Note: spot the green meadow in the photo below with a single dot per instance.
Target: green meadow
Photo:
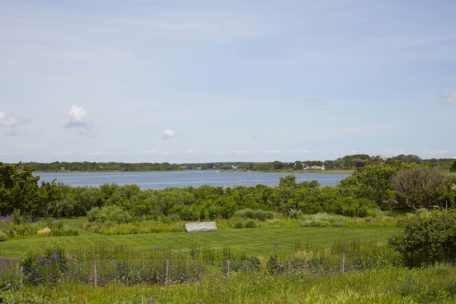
(257, 241)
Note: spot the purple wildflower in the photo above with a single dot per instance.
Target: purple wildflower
(55, 256)
(5, 218)
(43, 260)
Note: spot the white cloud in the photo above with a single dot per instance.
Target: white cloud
(273, 151)
(6, 121)
(232, 152)
(78, 117)
(436, 152)
(11, 124)
(451, 98)
(303, 151)
(98, 153)
(169, 133)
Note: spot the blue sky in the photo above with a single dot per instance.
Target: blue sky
(197, 81)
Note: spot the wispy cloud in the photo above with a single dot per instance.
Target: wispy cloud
(78, 118)
(273, 151)
(99, 153)
(439, 153)
(6, 121)
(450, 98)
(169, 133)
(11, 124)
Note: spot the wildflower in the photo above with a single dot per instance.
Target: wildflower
(43, 260)
(5, 218)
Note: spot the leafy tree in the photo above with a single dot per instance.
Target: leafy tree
(298, 165)
(287, 182)
(420, 187)
(277, 165)
(19, 190)
(406, 158)
(373, 182)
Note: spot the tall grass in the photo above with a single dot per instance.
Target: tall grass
(103, 264)
(388, 285)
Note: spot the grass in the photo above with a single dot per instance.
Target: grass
(260, 241)
(389, 285)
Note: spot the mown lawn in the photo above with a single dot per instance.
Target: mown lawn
(256, 241)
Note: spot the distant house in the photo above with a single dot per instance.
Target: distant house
(315, 168)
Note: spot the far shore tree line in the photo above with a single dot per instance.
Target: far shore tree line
(348, 163)
(378, 185)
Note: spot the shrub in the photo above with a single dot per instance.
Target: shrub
(294, 213)
(274, 266)
(429, 237)
(238, 225)
(113, 214)
(260, 215)
(3, 236)
(47, 267)
(59, 229)
(246, 264)
(250, 224)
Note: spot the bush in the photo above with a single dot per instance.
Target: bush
(420, 188)
(246, 264)
(250, 224)
(274, 266)
(238, 225)
(113, 214)
(48, 267)
(260, 215)
(3, 236)
(294, 213)
(429, 237)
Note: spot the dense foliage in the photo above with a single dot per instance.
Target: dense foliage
(421, 188)
(48, 267)
(428, 238)
(453, 167)
(377, 185)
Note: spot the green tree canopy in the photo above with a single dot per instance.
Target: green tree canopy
(18, 190)
(420, 187)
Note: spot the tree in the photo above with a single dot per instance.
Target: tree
(406, 158)
(372, 182)
(420, 187)
(19, 191)
(298, 165)
(277, 165)
(453, 167)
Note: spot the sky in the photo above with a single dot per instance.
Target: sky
(209, 80)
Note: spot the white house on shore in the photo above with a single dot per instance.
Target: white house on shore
(315, 168)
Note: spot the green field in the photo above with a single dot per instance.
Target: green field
(258, 241)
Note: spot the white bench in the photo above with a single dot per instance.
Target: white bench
(201, 226)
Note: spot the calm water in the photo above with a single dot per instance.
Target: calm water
(160, 180)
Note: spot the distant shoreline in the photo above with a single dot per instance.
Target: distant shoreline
(206, 170)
